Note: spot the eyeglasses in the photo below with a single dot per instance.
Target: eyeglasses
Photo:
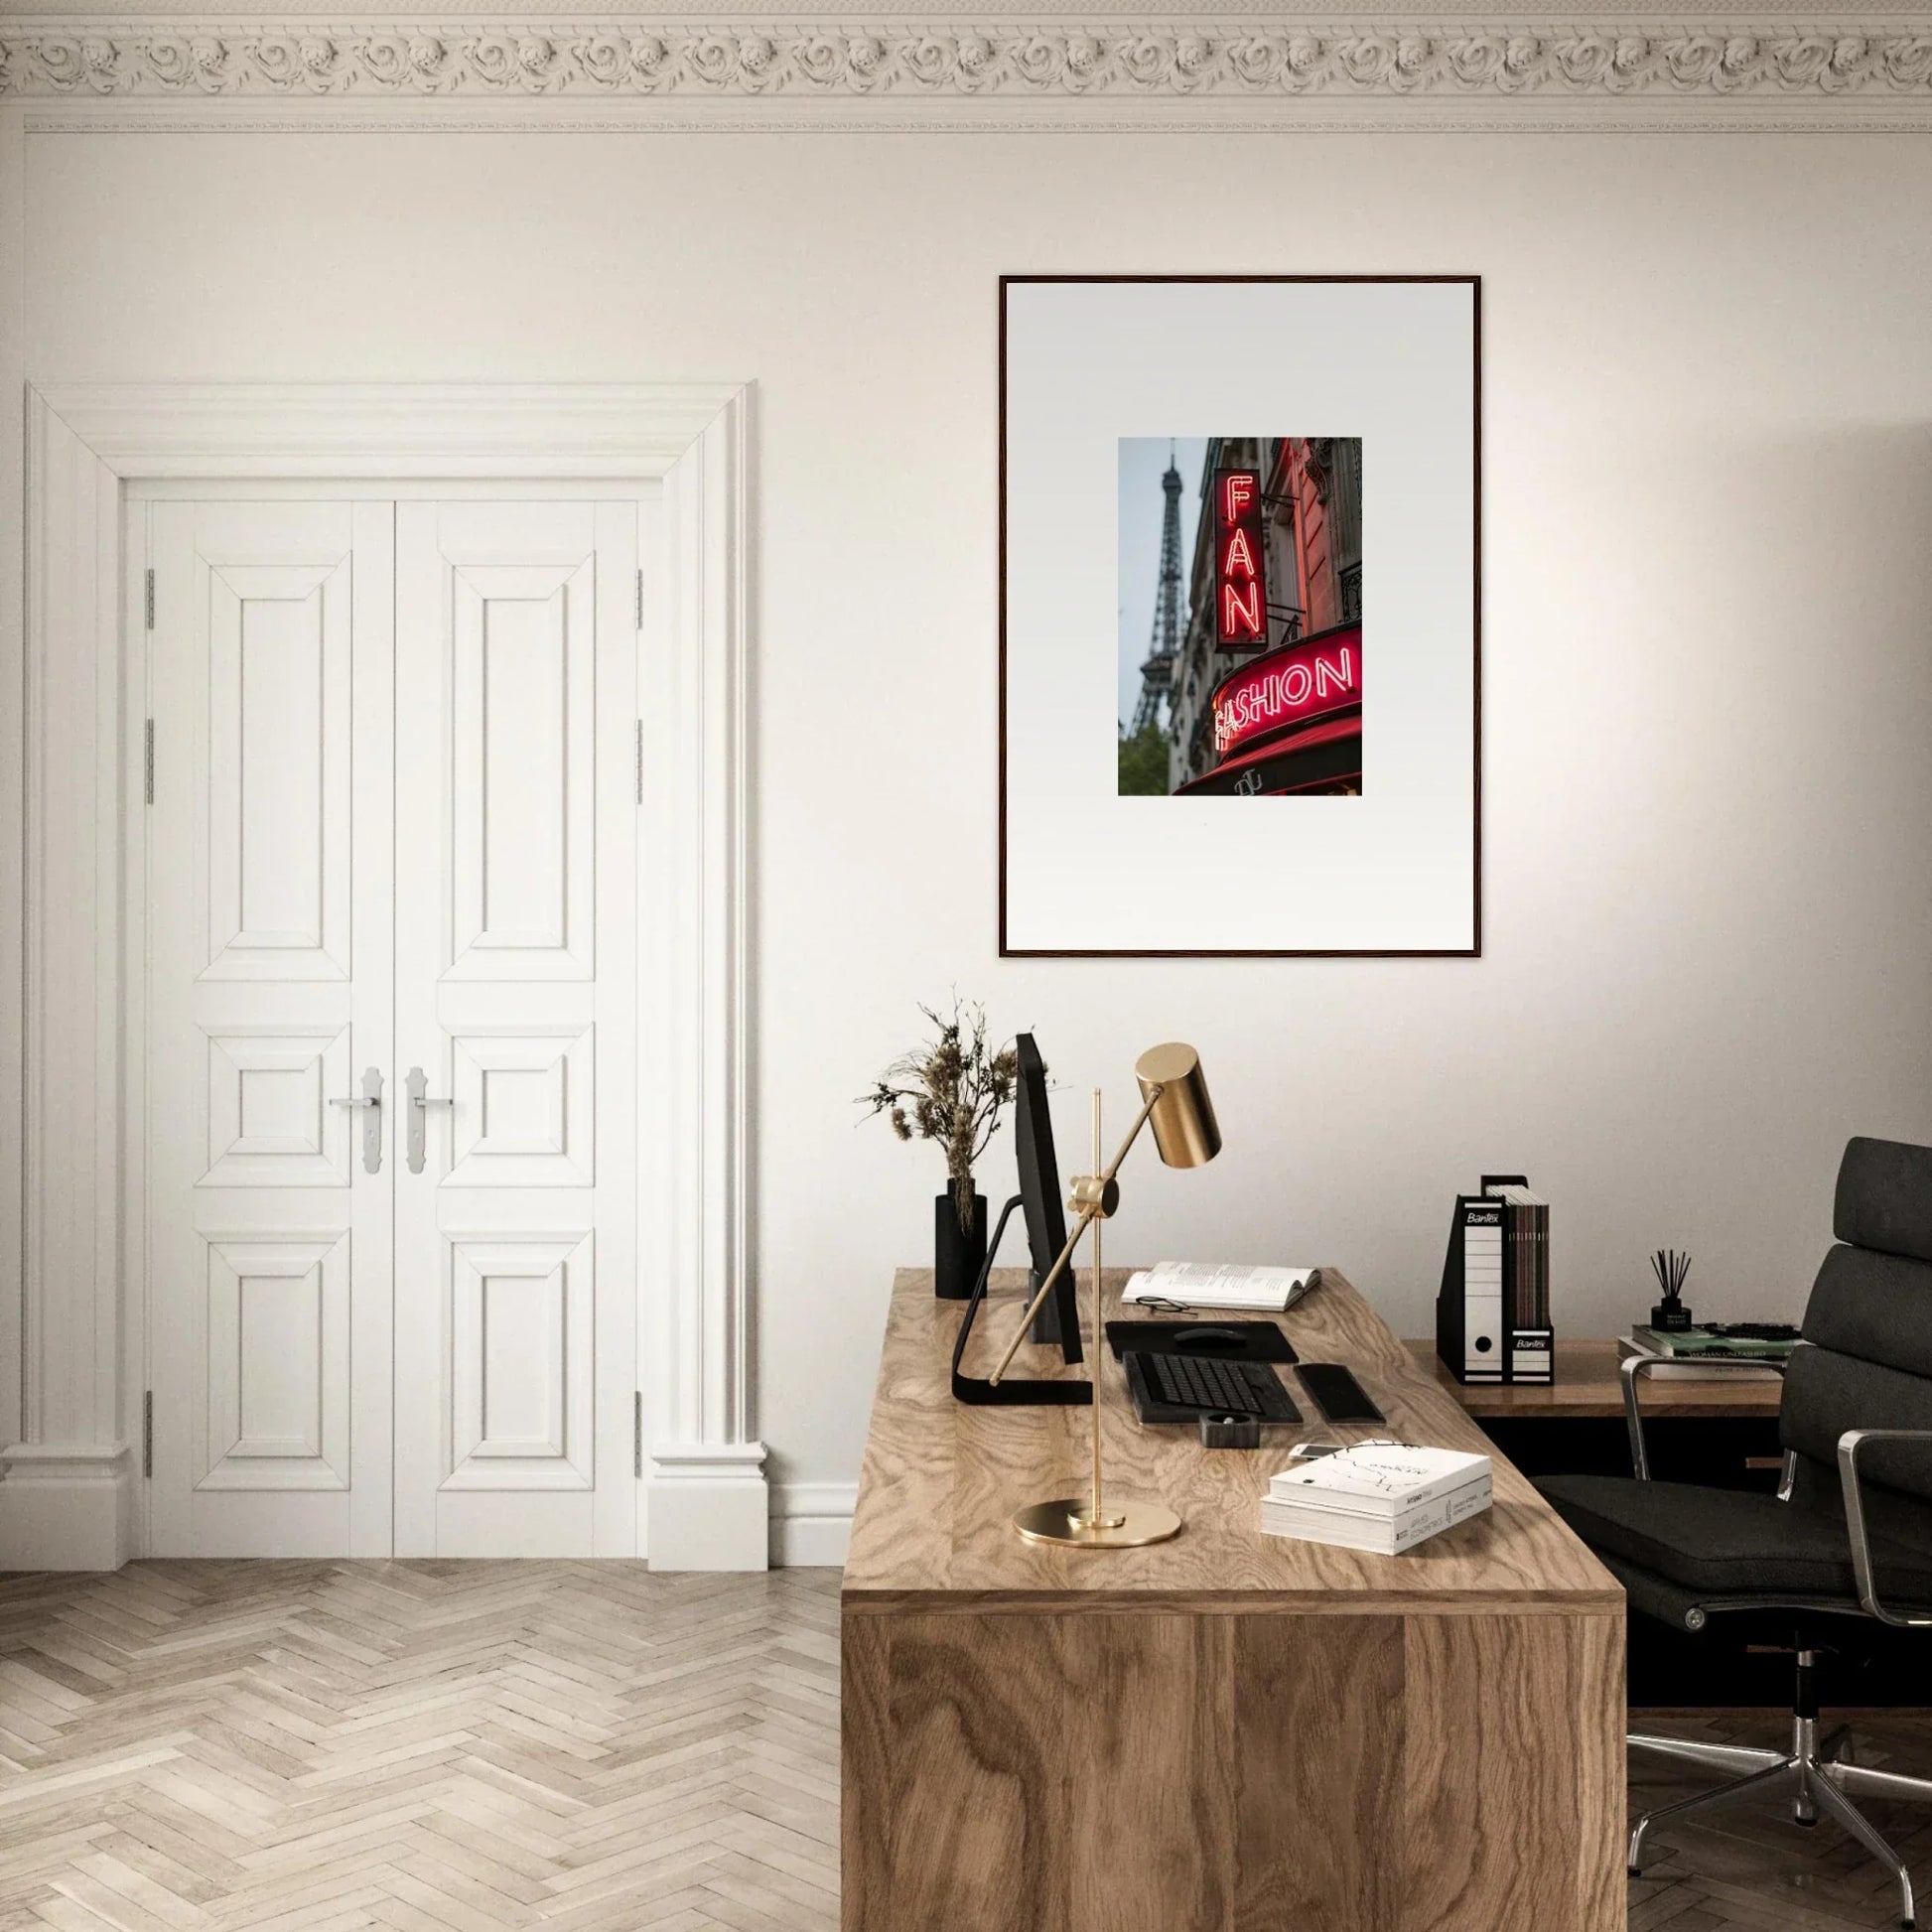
(1310, 1451)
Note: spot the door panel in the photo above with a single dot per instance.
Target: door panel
(514, 972)
(525, 1103)
(278, 1363)
(279, 761)
(520, 1316)
(269, 992)
(520, 724)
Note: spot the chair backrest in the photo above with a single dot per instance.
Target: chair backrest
(1868, 1324)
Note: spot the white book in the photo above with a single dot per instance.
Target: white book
(1382, 1535)
(1378, 1478)
(1219, 1285)
(1306, 1505)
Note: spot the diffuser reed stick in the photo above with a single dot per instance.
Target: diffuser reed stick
(1670, 1266)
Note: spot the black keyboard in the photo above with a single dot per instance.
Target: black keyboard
(1208, 1387)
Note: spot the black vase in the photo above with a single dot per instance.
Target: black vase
(957, 1255)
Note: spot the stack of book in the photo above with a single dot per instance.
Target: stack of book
(1384, 1497)
(1687, 1353)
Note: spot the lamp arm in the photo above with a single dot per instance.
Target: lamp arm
(1088, 1216)
(1133, 1134)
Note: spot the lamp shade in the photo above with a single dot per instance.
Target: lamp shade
(1183, 1116)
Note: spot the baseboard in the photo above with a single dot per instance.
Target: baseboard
(811, 1523)
(67, 1507)
(709, 1507)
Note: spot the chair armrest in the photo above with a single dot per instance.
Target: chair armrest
(1634, 1367)
(1849, 1445)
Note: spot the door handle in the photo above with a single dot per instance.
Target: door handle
(420, 1102)
(371, 1099)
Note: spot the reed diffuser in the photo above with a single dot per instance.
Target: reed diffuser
(1670, 1267)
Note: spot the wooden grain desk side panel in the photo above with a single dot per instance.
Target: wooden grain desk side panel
(1514, 1780)
(942, 1479)
(979, 1785)
(1150, 1782)
(1320, 1722)
(1166, 1773)
(865, 1773)
(1001, 1760)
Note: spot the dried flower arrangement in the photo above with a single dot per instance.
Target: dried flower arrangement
(951, 1090)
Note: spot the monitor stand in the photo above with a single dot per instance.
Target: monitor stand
(1012, 1391)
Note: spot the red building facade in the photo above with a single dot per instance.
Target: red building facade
(1274, 707)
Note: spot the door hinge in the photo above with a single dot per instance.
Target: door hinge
(641, 760)
(640, 600)
(637, 1433)
(147, 1433)
(148, 761)
(150, 598)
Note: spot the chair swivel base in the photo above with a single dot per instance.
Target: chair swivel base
(1818, 1773)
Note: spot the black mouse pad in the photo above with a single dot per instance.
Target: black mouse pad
(1222, 1341)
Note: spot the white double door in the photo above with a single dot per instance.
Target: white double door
(390, 859)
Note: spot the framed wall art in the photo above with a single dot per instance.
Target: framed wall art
(1240, 543)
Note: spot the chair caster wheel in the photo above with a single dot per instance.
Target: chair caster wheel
(1633, 1872)
(1807, 1823)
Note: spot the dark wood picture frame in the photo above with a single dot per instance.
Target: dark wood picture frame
(1474, 949)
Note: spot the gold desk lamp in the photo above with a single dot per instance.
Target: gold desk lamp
(1174, 1102)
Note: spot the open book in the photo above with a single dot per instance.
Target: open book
(1211, 1285)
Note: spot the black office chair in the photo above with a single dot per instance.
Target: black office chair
(1849, 1536)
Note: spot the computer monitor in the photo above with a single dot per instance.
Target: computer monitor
(1040, 1195)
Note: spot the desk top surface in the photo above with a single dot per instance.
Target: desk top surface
(1587, 1385)
(942, 1479)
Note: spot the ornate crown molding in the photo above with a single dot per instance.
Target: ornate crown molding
(1888, 65)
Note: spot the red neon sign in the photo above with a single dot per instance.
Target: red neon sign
(1287, 687)
(1240, 570)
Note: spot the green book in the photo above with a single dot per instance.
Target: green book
(1701, 1341)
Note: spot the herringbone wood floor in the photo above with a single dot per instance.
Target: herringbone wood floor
(316, 1747)
(457, 1748)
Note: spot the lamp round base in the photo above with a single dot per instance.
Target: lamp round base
(1065, 1521)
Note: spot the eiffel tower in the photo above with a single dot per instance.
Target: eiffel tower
(1157, 674)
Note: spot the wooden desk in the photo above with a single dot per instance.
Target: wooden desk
(1587, 1385)
(1227, 1733)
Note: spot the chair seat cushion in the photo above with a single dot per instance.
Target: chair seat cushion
(1728, 1542)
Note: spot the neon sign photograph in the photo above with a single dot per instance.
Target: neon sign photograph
(1229, 577)
(1240, 616)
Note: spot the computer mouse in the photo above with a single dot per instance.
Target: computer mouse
(1208, 1337)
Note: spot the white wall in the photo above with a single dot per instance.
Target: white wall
(1708, 769)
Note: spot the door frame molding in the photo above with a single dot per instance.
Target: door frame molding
(71, 1451)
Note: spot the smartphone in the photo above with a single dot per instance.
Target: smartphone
(1337, 1394)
